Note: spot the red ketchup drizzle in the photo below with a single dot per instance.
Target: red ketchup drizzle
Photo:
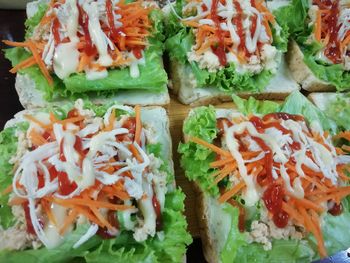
(129, 124)
(284, 116)
(254, 20)
(158, 212)
(55, 30)
(30, 228)
(218, 50)
(332, 50)
(241, 217)
(84, 22)
(272, 198)
(237, 20)
(268, 157)
(220, 125)
(110, 17)
(336, 210)
(137, 52)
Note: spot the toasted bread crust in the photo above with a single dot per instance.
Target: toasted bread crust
(184, 85)
(301, 72)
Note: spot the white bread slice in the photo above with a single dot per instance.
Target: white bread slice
(30, 97)
(301, 72)
(184, 85)
(322, 99)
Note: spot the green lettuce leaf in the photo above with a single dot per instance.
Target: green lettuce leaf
(8, 148)
(63, 253)
(166, 247)
(339, 111)
(33, 21)
(295, 103)
(195, 158)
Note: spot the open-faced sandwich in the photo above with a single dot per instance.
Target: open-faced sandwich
(319, 55)
(273, 187)
(90, 184)
(217, 48)
(104, 50)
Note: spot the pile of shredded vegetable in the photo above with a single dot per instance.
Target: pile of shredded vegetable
(237, 27)
(75, 36)
(279, 159)
(331, 28)
(82, 170)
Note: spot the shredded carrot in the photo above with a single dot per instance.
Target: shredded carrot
(227, 195)
(138, 127)
(88, 215)
(318, 25)
(7, 190)
(15, 44)
(40, 62)
(292, 213)
(36, 138)
(100, 217)
(33, 119)
(224, 172)
(210, 146)
(111, 121)
(221, 162)
(306, 203)
(16, 201)
(341, 193)
(136, 153)
(344, 135)
(88, 202)
(24, 64)
(68, 221)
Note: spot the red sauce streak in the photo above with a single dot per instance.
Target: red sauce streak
(204, 8)
(84, 22)
(129, 124)
(65, 186)
(137, 52)
(218, 50)
(220, 125)
(336, 210)
(268, 157)
(241, 217)
(110, 18)
(273, 197)
(254, 20)
(295, 146)
(55, 30)
(158, 212)
(284, 116)
(237, 20)
(332, 50)
(30, 228)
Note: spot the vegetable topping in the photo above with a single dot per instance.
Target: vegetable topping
(331, 29)
(91, 36)
(87, 169)
(235, 31)
(292, 167)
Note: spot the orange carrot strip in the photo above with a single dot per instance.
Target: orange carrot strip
(318, 25)
(15, 44)
(111, 121)
(7, 190)
(136, 153)
(138, 124)
(321, 248)
(16, 201)
(344, 135)
(292, 213)
(221, 162)
(339, 194)
(306, 203)
(101, 218)
(33, 119)
(68, 221)
(88, 215)
(41, 64)
(227, 195)
(210, 146)
(24, 64)
(88, 202)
